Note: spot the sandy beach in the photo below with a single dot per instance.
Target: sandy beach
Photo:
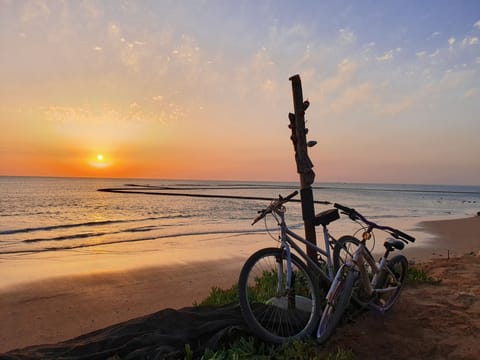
(61, 308)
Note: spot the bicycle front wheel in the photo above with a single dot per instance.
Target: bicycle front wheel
(336, 304)
(276, 308)
(344, 249)
(390, 283)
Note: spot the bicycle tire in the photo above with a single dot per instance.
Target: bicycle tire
(398, 266)
(271, 312)
(336, 306)
(344, 247)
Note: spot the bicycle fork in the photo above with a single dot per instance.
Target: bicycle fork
(287, 289)
(341, 273)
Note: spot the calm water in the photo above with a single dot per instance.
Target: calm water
(52, 218)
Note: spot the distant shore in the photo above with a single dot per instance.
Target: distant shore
(61, 308)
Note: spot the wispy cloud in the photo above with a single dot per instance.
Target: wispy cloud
(34, 9)
(346, 36)
(472, 92)
(386, 56)
(421, 54)
(477, 24)
(111, 115)
(394, 108)
(451, 41)
(352, 96)
(345, 69)
(469, 40)
(92, 9)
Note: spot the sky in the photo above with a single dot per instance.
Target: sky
(200, 89)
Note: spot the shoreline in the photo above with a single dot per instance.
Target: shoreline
(60, 308)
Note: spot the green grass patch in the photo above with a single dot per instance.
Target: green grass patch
(220, 297)
(420, 276)
(253, 348)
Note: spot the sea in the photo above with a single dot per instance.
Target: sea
(65, 226)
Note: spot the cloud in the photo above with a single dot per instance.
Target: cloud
(477, 24)
(269, 85)
(114, 30)
(91, 9)
(469, 41)
(33, 10)
(187, 51)
(421, 54)
(386, 57)
(451, 41)
(97, 48)
(391, 109)
(346, 36)
(352, 96)
(345, 69)
(472, 92)
(109, 115)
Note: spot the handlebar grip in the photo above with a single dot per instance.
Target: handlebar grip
(343, 208)
(288, 197)
(352, 213)
(259, 217)
(405, 236)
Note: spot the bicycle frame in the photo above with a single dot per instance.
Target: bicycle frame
(288, 243)
(357, 264)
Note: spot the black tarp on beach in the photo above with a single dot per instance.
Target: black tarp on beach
(162, 335)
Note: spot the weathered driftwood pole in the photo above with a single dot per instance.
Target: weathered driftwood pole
(304, 164)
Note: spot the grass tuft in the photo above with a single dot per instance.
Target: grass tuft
(220, 297)
(420, 276)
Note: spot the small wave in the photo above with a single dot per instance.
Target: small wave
(69, 237)
(91, 234)
(141, 229)
(113, 242)
(88, 223)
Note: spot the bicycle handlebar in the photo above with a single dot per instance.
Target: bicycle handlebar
(275, 204)
(355, 215)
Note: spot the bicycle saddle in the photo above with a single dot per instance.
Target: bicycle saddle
(326, 217)
(390, 244)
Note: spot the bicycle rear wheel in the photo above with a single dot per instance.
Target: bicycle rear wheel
(272, 311)
(336, 304)
(390, 283)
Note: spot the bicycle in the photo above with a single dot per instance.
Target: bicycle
(281, 296)
(378, 285)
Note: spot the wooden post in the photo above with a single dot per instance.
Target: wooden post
(304, 164)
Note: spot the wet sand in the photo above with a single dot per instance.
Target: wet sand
(61, 308)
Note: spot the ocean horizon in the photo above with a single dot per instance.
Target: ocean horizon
(57, 226)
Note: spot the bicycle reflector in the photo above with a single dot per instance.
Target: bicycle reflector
(367, 235)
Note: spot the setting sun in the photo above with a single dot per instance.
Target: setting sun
(100, 161)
